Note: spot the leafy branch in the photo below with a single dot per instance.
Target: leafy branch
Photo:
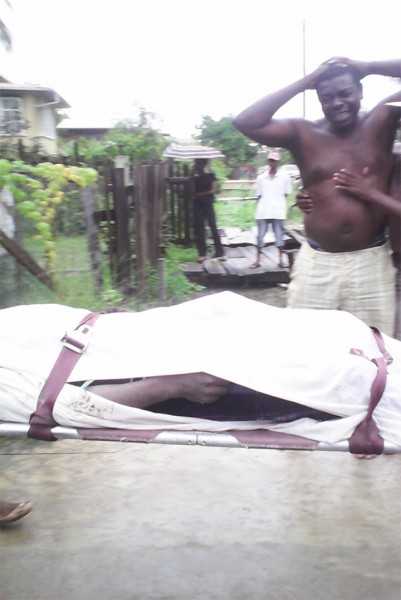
(37, 190)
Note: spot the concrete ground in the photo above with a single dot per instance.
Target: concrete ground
(119, 521)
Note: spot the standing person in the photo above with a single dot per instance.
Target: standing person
(204, 188)
(359, 187)
(272, 189)
(345, 263)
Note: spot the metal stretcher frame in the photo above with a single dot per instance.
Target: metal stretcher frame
(365, 439)
(257, 439)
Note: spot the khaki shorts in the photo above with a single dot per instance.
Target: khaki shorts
(361, 283)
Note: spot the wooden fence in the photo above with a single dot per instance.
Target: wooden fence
(150, 205)
(142, 207)
(135, 219)
(146, 206)
(179, 206)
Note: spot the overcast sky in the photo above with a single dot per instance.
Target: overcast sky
(184, 58)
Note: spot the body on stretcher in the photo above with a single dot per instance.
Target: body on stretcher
(333, 369)
(239, 404)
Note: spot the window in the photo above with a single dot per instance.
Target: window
(47, 122)
(12, 121)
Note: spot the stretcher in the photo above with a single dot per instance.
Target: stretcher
(363, 437)
(253, 439)
(236, 403)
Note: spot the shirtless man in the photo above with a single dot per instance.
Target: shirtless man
(359, 186)
(337, 268)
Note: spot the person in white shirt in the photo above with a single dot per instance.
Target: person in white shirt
(272, 189)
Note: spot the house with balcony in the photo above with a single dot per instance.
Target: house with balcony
(28, 116)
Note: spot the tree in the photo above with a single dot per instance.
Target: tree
(38, 190)
(225, 137)
(239, 151)
(137, 138)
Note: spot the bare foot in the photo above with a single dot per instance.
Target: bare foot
(222, 258)
(202, 259)
(254, 265)
(13, 511)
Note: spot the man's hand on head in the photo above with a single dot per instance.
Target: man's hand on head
(361, 67)
(340, 61)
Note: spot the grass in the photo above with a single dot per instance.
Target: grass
(73, 278)
(74, 284)
(241, 213)
(235, 213)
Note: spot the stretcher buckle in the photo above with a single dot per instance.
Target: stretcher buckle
(78, 339)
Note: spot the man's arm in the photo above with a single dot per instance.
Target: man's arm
(196, 387)
(395, 222)
(387, 68)
(359, 186)
(257, 123)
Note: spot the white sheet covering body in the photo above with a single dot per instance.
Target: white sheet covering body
(295, 354)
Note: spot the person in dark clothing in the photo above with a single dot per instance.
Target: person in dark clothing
(204, 187)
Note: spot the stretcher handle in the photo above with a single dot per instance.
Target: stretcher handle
(74, 345)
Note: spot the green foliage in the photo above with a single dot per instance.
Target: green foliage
(38, 190)
(225, 137)
(286, 157)
(238, 149)
(236, 213)
(220, 169)
(112, 298)
(135, 138)
(33, 153)
(177, 287)
(241, 213)
(73, 283)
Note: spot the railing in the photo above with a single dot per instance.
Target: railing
(238, 184)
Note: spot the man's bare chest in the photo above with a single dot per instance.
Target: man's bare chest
(325, 154)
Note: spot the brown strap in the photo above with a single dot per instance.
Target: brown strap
(366, 438)
(74, 344)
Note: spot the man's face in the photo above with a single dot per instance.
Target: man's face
(340, 98)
